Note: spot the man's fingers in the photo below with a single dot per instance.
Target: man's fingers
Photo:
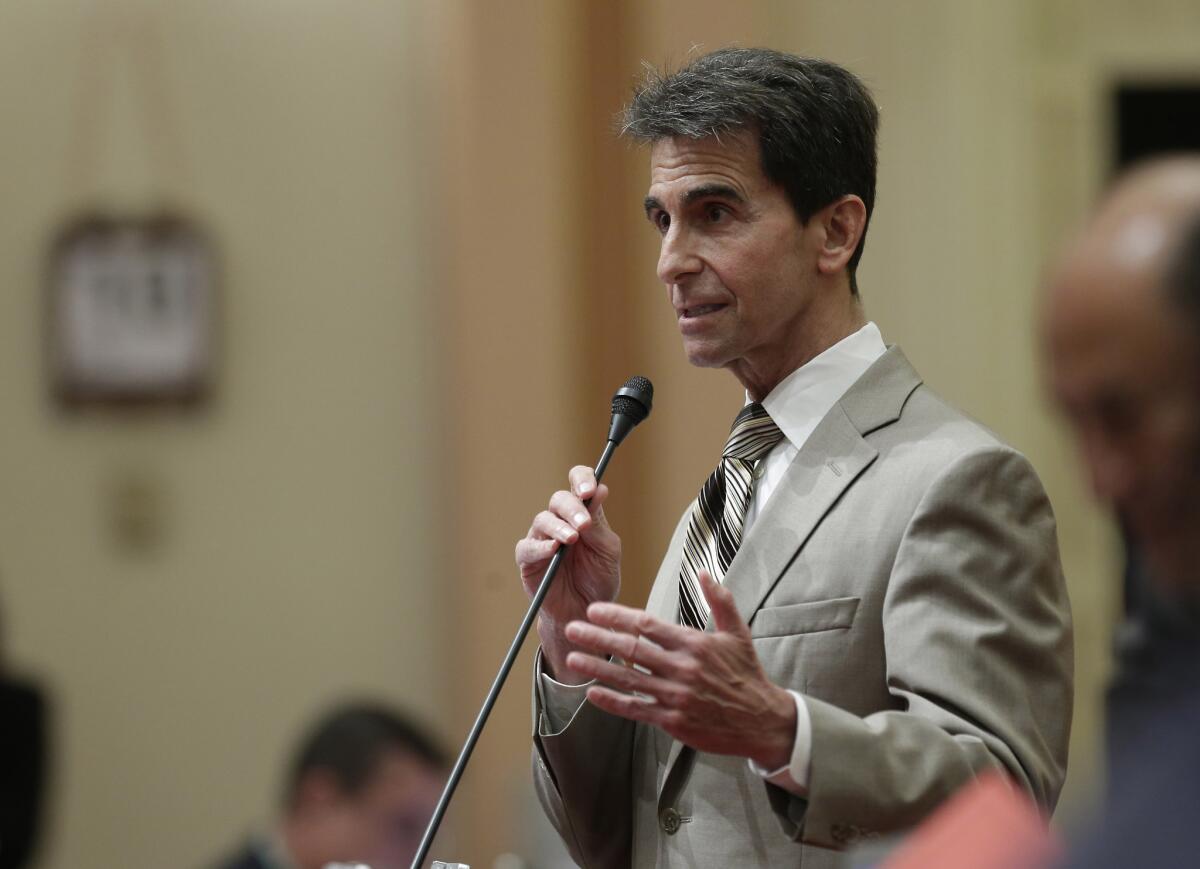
(549, 524)
(566, 517)
(569, 508)
(627, 647)
(639, 623)
(584, 486)
(634, 707)
(535, 551)
(583, 481)
(721, 602)
(626, 678)
(596, 505)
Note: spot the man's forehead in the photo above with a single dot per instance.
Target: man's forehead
(1116, 260)
(1139, 221)
(731, 157)
(1103, 329)
(1090, 295)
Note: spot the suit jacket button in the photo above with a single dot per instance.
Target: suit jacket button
(668, 819)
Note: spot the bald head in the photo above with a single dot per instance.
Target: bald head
(1123, 358)
(1128, 245)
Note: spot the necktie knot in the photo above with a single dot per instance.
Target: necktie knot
(753, 435)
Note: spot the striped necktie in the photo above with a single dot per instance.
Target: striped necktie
(715, 529)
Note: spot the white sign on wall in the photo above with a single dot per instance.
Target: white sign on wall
(132, 311)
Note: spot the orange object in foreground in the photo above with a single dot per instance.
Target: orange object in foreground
(987, 825)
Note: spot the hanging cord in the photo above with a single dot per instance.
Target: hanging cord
(113, 34)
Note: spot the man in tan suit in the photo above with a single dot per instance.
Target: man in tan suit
(876, 576)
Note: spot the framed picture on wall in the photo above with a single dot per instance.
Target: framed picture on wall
(132, 312)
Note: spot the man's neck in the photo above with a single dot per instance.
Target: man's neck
(1178, 569)
(820, 333)
(295, 847)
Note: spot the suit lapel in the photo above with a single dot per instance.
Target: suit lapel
(831, 460)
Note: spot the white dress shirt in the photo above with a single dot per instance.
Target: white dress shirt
(797, 405)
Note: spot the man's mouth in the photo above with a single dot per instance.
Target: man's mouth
(699, 311)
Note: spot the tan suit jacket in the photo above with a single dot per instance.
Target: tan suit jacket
(905, 578)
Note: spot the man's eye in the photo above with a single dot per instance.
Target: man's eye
(662, 221)
(716, 213)
(1118, 416)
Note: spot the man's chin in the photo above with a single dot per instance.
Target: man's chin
(705, 355)
(1171, 550)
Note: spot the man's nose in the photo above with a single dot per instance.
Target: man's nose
(677, 256)
(1111, 469)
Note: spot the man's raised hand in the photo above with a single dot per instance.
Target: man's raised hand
(708, 690)
(590, 570)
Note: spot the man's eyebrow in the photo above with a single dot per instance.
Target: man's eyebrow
(704, 191)
(712, 191)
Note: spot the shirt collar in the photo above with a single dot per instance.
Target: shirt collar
(802, 399)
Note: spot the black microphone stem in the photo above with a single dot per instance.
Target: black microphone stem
(494, 692)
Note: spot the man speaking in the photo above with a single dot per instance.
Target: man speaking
(864, 607)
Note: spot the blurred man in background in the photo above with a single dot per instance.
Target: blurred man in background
(1122, 339)
(361, 789)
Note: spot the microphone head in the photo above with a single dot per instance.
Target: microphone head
(634, 399)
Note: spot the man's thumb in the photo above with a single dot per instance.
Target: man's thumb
(721, 602)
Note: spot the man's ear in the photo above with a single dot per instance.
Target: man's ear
(317, 790)
(844, 221)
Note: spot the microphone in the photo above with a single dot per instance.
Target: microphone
(630, 405)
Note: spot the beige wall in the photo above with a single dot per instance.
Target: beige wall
(297, 558)
(501, 77)
(421, 200)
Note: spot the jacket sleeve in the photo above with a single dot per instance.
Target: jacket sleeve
(583, 778)
(977, 638)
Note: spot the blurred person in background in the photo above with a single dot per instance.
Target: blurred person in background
(895, 620)
(1121, 337)
(23, 763)
(361, 789)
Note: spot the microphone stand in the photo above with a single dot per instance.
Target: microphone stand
(509, 659)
